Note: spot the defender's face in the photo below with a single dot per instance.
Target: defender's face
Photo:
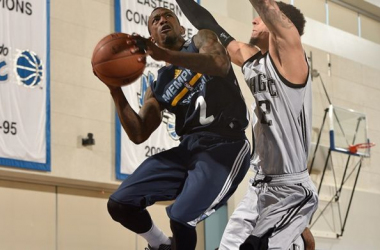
(164, 26)
(260, 32)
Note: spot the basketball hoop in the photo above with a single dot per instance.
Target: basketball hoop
(354, 148)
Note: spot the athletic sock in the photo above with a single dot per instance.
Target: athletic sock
(155, 237)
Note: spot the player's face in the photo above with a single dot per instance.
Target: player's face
(260, 32)
(164, 27)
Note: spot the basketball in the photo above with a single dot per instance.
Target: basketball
(113, 63)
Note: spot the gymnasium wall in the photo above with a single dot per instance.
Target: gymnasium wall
(66, 208)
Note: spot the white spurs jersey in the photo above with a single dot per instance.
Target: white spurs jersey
(283, 112)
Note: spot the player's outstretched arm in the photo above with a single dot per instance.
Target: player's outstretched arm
(285, 45)
(240, 52)
(137, 126)
(202, 19)
(212, 58)
(276, 21)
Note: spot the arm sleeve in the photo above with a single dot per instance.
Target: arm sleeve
(202, 19)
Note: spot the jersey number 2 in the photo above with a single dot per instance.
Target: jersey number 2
(265, 111)
(201, 102)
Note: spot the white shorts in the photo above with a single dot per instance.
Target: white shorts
(281, 205)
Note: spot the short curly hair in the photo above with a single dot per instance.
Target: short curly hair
(294, 15)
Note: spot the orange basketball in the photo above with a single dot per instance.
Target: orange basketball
(113, 63)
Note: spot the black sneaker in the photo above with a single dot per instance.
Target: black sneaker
(161, 247)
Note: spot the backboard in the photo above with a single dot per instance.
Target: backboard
(347, 127)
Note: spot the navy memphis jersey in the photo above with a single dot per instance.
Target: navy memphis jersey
(201, 102)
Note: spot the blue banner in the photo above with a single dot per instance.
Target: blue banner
(24, 84)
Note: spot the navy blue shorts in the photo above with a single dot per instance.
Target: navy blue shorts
(200, 175)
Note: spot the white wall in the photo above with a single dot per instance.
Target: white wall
(361, 228)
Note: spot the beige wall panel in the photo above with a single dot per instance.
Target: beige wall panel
(219, 8)
(372, 98)
(348, 91)
(241, 11)
(72, 160)
(361, 231)
(85, 13)
(67, 37)
(346, 69)
(370, 29)
(355, 96)
(84, 222)
(373, 118)
(314, 9)
(370, 180)
(83, 164)
(69, 131)
(74, 39)
(27, 216)
(343, 18)
(371, 77)
(81, 102)
(75, 70)
(110, 2)
(371, 168)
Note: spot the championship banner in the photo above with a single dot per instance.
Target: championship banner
(131, 16)
(24, 84)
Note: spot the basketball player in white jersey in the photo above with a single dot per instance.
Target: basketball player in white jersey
(281, 197)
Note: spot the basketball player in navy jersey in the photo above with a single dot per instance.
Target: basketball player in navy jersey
(281, 198)
(199, 86)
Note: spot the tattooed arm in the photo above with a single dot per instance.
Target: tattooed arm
(285, 45)
(212, 58)
(276, 21)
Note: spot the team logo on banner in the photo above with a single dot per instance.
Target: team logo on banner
(29, 69)
(132, 17)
